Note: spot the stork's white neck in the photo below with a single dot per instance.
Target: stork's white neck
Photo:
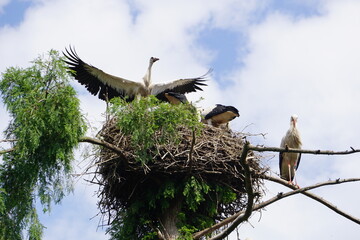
(293, 136)
(147, 77)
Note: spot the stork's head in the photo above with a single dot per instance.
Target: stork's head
(234, 110)
(293, 120)
(153, 59)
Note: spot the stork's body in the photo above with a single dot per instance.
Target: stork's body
(289, 162)
(107, 86)
(175, 98)
(220, 115)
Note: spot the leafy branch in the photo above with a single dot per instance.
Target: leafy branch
(45, 127)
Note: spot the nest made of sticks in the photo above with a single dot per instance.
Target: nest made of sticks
(213, 155)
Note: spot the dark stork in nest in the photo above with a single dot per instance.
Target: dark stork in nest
(220, 115)
(173, 98)
(289, 162)
(107, 86)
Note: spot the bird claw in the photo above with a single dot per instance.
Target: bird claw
(294, 184)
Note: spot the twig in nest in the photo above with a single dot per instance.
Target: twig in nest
(191, 149)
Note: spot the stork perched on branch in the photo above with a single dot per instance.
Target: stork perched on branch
(107, 86)
(289, 162)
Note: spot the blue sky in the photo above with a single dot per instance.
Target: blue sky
(270, 59)
(13, 12)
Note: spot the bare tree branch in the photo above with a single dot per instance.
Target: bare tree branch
(103, 144)
(8, 140)
(83, 139)
(190, 159)
(320, 152)
(9, 149)
(6, 150)
(284, 195)
(317, 198)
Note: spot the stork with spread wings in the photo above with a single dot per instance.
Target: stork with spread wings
(107, 86)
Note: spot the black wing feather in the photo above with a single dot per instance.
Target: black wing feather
(216, 111)
(280, 161)
(182, 86)
(192, 86)
(298, 162)
(80, 72)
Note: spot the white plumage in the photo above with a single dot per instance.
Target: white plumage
(289, 162)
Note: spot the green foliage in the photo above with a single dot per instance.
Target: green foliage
(199, 203)
(2, 212)
(36, 228)
(137, 221)
(186, 233)
(47, 124)
(194, 192)
(149, 121)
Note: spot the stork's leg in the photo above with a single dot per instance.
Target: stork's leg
(296, 185)
(290, 181)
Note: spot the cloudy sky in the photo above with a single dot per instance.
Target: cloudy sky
(271, 58)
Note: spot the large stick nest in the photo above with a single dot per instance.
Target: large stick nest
(213, 155)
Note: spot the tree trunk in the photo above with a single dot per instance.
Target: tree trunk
(169, 219)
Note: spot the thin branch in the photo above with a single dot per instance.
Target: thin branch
(83, 139)
(8, 140)
(7, 150)
(320, 152)
(249, 206)
(103, 144)
(317, 198)
(190, 159)
(284, 195)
